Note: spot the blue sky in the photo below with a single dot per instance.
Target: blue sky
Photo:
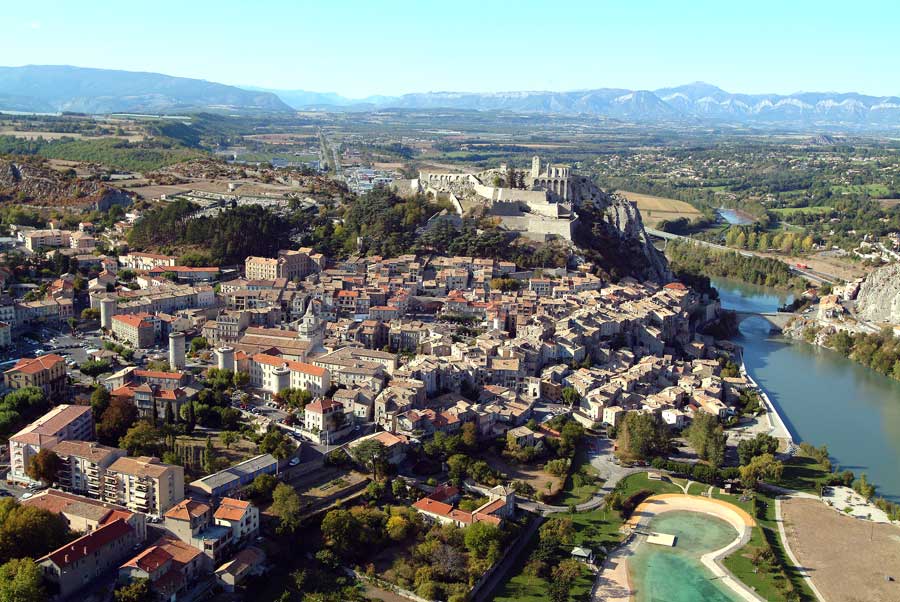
(363, 47)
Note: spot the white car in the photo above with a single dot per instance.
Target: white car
(294, 461)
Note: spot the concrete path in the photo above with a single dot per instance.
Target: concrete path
(787, 548)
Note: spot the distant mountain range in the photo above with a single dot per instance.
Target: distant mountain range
(695, 102)
(43, 88)
(53, 88)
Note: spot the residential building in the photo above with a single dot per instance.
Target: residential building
(249, 561)
(146, 261)
(83, 514)
(274, 374)
(62, 423)
(139, 330)
(291, 265)
(241, 517)
(192, 522)
(170, 565)
(76, 564)
(46, 239)
(144, 484)
(47, 372)
(83, 465)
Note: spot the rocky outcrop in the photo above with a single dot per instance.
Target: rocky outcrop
(32, 182)
(611, 233)
(878, 299)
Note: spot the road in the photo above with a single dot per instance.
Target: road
(812, 275)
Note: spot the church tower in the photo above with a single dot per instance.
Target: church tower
(311, 328)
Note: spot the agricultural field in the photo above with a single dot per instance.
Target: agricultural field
(655, 209)
(785, 211)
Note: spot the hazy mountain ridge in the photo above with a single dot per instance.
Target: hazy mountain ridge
(43, 88)
(691, 102)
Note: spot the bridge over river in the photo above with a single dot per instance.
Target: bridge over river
(776, 319)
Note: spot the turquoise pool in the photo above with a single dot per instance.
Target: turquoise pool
(662, 574)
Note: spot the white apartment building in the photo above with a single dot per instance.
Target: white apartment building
(62, 423)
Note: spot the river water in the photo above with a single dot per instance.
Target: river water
(822, 397)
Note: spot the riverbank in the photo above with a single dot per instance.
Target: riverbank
(778, 428)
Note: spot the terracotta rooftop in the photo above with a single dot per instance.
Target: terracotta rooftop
(36, 364)
(186, 509)
(231, 509)
(89, 544)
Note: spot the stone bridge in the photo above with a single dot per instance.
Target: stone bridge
(776, 319)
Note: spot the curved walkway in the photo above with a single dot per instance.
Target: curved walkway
(613, 584)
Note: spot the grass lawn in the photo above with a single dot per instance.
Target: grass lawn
(874, 190)
(634, 483)
(578, 494)
(766, 584)
(526, 588)
(803, 474)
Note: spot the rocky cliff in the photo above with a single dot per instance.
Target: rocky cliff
(878, 299)
(611, 233)
(32, 182)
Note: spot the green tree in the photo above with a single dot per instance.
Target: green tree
(44, 466)
(707, 438)
(748, 449)
(99, 401)
(570, 396)
(370, 454)
(761, 468)
(229, 438)
(209, 456)
(341, 531)
(483, 540)
(136, 591)
(143, 439)
(642, 436)
(398, 528)
(469, 435)
(28, 531)
(169, 413)
(21, 580)
(199, 344)
(286, 506)
(94, 368)
(116, 421)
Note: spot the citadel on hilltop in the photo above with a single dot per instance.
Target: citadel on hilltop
(539, 204)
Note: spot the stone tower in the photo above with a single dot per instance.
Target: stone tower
(311, 328)
(535, 166)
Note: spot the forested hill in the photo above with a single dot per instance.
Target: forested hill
(381, 223)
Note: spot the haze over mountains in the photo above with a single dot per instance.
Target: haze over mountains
(76, 89)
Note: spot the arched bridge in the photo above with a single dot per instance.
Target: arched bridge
(776, 319)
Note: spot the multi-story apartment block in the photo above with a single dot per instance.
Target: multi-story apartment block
(47, 239)
(47, 372)
(292, 265)
(140, 330)
(144, 484)
(83, 465)
(43, 310)
(62, 423)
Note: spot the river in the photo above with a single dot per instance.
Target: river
(822, 397)
(734, 217)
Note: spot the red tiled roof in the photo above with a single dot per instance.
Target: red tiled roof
(36, 364)
(90, 543)
(150, 559)
(274, 360)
